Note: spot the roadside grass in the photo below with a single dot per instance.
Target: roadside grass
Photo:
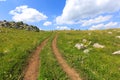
(98, 64)
(49, 66)
(15, 48)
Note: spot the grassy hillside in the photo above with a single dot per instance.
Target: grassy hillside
(92, 63)
(15, 48)
(97, 63)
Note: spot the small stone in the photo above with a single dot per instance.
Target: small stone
(118, 37)
(86, 51)
(109, 32)
(97, 45)
(116, 52)
(79, 46)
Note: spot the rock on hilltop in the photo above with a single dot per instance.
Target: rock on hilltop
(18, 25)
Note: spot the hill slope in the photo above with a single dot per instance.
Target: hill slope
(15, 48)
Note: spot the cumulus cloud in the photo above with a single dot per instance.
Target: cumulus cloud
(26, 14)
(2, 0)
(63, 28)
(76, 10)
(99, 19)
(104, 26)
(47, 23)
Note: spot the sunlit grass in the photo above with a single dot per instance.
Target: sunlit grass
(98, 64)
(15, 48)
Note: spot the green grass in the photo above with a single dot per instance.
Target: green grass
(15, 48)
(50, 69)
(98, 64)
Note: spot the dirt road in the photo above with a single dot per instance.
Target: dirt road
(69, 71)
(33, 65)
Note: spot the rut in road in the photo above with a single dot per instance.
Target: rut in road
(69, 71)
(32, 70)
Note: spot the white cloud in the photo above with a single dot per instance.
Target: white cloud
(63, 28)
(2, 0)
(96, 20)
(104, 26)
(47, 23)
(26, 14)
(76, 10)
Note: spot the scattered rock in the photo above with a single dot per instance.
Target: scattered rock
(85, 44)
(116, 52)
(86, 51)
(118, 37)
(97, 45)
(109, 32)
(80, 46)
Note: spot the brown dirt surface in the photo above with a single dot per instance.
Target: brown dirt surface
(69, 71)
(32, 69)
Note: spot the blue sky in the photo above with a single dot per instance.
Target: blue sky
(63, 14)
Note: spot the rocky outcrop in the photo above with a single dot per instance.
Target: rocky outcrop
(18, 25)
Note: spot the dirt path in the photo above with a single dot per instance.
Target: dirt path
(70, 71)
(33, 65)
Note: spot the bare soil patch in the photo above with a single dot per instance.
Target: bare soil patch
(32, 70)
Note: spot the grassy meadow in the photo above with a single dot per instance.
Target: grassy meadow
(15, 48)
(97, 64)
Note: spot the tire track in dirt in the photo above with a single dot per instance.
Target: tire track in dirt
(32, 70)
(69, 71)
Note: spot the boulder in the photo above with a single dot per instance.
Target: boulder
(79, 46)
(97, 45)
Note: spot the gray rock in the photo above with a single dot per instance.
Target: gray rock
(79, 46)
(116, 52)
(86, 51)
(97, 45)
